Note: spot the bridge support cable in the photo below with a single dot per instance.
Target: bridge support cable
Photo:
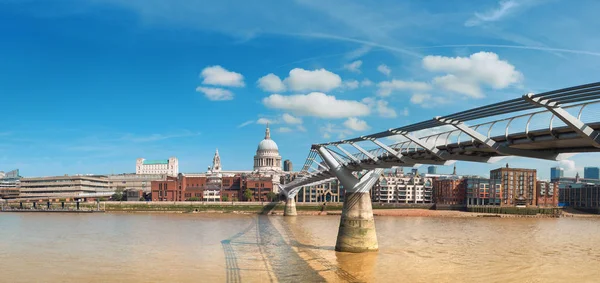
(357, 226)
(573, 122)
(348, 154)
(366, 153)
(406, 161)
(497, 147)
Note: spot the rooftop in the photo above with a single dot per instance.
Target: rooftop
(155, 162)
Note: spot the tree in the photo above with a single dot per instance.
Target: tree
(271, 196)
(248, 194)
(225, 198)
(102, 199)
(118, 196)
(193, 199)
(142, 199)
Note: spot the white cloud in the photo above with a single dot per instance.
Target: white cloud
(217, 75)
(264, 121)
(330, 129)
(289, 119)
(271, 83)
(317, 80)
(284, 130)
(356, 124)
(353, 84)
(366, 82)
(387, 87)
(404, 112)
(384, 69)
(467, 74)
(506, 7)
(568, 166)
(354, 66)
(381, 107)
(215, 94)
(301, 128)
(245, 124)
(427, 100)
(317, 104)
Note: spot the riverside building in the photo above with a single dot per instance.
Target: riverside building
(64, 186)
(168, 167)
(396, 187)
(517, 187)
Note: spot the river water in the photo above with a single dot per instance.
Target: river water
(112, 247)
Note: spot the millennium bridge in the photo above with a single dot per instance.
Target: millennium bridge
(552, 126)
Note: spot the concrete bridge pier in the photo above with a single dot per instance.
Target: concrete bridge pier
(290, 207)
(357, 233)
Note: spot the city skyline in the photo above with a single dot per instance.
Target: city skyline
(119, 80)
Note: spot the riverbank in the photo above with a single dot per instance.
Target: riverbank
(277, 208)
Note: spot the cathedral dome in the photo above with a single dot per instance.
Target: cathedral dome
(267, 158)
(267, 145)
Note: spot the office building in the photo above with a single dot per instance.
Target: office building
(517, 186)
(326, 191)
(591, 173)
(478, 191)
(287, 166)
(547, 194)
(556, 173)
(451, 191)
(9, 184)
(64, 186)
(168, 167)
(396, 187)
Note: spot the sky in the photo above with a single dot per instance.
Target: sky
(88, 86)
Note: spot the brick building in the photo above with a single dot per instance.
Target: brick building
(449, 191)
(478, 191)
(547, 194)
(166, 190)
(513, 187)
(259, 186)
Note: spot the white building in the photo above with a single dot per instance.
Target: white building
(267, 161)
(400, 188)
(166, 166)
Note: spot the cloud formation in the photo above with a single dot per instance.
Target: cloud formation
(317, 104)
(271, 83)
(217, 75)
(215, 94)
(387, 87)
(354, 66)
(465, 75)
(505, 8)
(317, 80)
(289, 119)
(356, 124)
(384, 69)
(381, 107)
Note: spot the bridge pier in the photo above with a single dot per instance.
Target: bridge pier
(290, 207)
(357, 233)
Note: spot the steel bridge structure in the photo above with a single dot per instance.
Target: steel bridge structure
(552, 126)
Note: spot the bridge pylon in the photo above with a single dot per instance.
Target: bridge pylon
(290, 207)
(357, 233)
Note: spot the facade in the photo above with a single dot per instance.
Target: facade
(591, 173)
(165, 190)
(259, 186)
(324, 192)
(432, 170)
(399, 188)
(547, 194)
(449, 191)
(168, 167)
(63, 186)
(478, 191)
(287, 166)
(9, 184)
(517, 186)
(7, 192)
(556, 173)
(133, 182)
(581, 196)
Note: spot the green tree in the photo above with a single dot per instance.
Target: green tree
(248, 194)
(225, 198)
(142, 199)
(193, 199)
(102, 199)
(118, 196)
(271, 196)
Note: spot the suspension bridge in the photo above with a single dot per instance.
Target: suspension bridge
(553, 126)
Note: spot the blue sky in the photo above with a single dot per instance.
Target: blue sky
(88, 86)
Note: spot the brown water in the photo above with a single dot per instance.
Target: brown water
(242, 248)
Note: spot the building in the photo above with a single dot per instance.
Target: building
(133, 182)
(168, 167)
(478, 191)
(556, 173)
(267, 161)
(517, 186)
(432, 170)
(259, 186)
(451, 191)
(396, 187)
(166, 190)
(547, 194)
(591, 173)
(581, 196)
(287, 166)
(64, 186)
(327, 191)
(9, 184)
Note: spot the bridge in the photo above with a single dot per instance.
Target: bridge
(552, 125)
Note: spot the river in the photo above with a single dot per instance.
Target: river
(115, 247)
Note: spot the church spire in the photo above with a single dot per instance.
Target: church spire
(267, 132)
(216, 162)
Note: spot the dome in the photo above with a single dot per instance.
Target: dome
(267, 145)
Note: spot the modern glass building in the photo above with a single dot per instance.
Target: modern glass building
(591, 173)
(556, 173)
